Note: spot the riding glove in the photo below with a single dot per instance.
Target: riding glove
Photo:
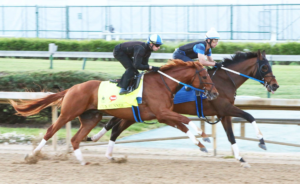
(218, 65)
(155, 68)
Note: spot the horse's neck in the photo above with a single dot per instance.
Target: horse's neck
(246, 67)
(184, 75)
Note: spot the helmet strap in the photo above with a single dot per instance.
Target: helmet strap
(209, 43)
(151, 46)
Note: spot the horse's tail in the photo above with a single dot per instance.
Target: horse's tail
(31, 107)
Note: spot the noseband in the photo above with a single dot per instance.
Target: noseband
(261, 74)
(197, 73)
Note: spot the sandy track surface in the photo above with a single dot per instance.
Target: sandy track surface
(147, 166)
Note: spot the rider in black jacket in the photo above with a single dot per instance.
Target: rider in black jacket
(134, 56)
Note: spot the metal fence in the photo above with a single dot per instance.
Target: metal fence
(234, 22)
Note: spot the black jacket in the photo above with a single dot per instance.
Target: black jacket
(140, 51)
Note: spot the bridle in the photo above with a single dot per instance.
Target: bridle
(261, 74)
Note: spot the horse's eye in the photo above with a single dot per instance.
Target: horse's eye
(204, 77)
(264, 68)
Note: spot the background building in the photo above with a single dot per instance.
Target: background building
(133, 19)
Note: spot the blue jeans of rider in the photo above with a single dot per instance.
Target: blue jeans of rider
(178, 54)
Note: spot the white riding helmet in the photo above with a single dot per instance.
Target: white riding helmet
(212, 34)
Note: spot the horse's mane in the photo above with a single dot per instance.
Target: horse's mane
(177, 62)
(239, 57)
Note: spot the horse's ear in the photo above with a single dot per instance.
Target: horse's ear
(259, 55)
(263, 54)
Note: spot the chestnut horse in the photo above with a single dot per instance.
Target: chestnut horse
(252, 64)
(82, 99)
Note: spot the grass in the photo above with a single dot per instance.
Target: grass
(134, 129)
(110, 67)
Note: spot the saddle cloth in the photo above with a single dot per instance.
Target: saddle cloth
(183, 96)
(109, 98)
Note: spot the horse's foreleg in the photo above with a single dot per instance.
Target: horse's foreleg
(112, 122)
(199, 131)
(167, 116)
(236, 112)
(88, 121)
(226, 122)
(116, 131)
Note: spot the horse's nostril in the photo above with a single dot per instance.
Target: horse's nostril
(275, 86)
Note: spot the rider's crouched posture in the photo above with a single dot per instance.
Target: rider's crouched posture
(199, 49)
(134, 56)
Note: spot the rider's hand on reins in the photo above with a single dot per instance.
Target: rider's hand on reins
(218, 65)
(155, 68)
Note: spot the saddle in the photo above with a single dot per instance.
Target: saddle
(134, 82)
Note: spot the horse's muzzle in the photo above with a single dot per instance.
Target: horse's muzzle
(273, 87)
(212, 95)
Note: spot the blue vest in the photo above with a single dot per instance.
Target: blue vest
(188, 49)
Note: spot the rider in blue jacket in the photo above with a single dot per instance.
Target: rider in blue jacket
(199, 49)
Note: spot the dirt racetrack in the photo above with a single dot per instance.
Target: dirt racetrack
(147, 166)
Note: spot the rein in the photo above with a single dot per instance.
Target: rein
(183, 84)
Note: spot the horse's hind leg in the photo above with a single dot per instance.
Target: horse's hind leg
(236, 112)
(61, 121)
(89, 120)
(112, 122)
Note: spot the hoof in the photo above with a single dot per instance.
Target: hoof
(26, 156)
(245, 165)
(262, 146)
(89, 139)
(87, 163)
(110, 158)
(204, 150)
(206, 139)
(95, 139)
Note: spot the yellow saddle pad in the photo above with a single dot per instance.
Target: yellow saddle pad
(109, 98)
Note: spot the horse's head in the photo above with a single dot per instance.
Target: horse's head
(202, 80)
(264, 72)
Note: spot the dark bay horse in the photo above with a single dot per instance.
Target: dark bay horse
(82, 99)
(252, 64)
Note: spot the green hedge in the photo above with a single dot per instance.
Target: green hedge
(34, 44)
(36, 82)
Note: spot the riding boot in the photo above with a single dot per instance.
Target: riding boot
(123, 91)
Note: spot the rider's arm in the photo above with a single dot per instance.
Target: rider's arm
(139, 52)
(200, 50)
(204, 62)
(209, 58)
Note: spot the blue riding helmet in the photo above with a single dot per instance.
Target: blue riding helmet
(155, 39)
